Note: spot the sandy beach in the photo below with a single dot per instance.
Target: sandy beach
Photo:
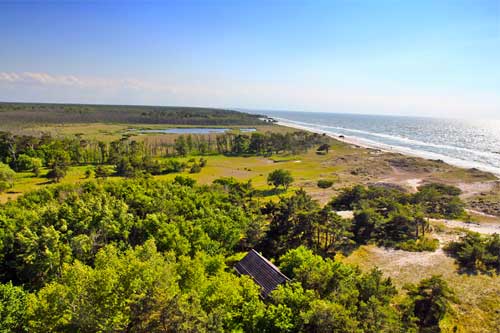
(394, 149)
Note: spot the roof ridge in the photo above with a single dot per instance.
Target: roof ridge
(270, 264)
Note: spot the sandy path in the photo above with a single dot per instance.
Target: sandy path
(483, 228)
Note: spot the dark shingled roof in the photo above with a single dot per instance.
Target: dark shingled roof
(262, 271)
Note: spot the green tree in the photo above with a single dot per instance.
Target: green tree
(57, 172)
(428, 302)
(181, 146)
(13, 303)
(328, 317)
(7, 176)
(59, 161)
(280, 177)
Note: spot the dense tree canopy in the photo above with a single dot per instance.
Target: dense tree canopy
(142, 255)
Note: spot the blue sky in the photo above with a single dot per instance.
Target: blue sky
(385, 57)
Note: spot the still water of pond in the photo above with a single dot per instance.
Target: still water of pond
(195, 130)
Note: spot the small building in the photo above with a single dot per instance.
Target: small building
(262, 271)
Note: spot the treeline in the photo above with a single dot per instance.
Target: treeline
(38, 113)
(242, 144)
(130, 157)
(142, 255)
(16, 150)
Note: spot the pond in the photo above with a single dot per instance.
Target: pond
(194, 130)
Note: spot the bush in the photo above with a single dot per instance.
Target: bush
(196, 168)
(102, 171)
(27, 163)
(475, 252)
(419, 245)
(325, 183)
(173, 166)
(323, 148)
(88, 173)
(6, 177)
(184, 181)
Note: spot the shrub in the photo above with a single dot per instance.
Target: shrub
(323, 148)
(419, 245)
(475, 252)
(6, 177)
(173, 166)
(27, 163)
(325, 183)
(102, 171)
(196, 168)
(184, 181)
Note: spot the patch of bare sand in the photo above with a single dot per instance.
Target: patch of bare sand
(347, 214)
(470, 189)
(482, 228)
(406, 267)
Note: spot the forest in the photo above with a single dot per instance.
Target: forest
(40, 113)
(142, 255)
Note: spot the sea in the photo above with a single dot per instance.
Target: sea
(464, 143)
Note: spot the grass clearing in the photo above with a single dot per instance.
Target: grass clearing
(479, 295)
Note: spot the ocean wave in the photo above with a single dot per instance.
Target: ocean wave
(399, 148)
(397, 138)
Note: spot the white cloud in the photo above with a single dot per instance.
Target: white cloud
(46, 79)
(309, 96)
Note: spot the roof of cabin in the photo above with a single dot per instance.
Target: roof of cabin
(262, 271)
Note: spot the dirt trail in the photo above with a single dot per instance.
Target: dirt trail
(483, 228)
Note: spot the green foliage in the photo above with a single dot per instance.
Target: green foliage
(58, 161)
(323, 149)
(428, 302)
(325, 183)
(359, 196)
(419, 245)
(103, 171)
(265, 143)
(13, 303)
(476, 252)
(195, 168)
(280, 177)
(41, 227)
(6, 177)
(344, 299)
(57, 172)
(88, 173)
(27, 163)
(184, 181)
(142, 255)
(393, 218)
(82, 113)
(439, 200)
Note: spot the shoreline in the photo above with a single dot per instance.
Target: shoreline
(393, 149)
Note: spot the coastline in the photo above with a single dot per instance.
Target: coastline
(364, 143)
